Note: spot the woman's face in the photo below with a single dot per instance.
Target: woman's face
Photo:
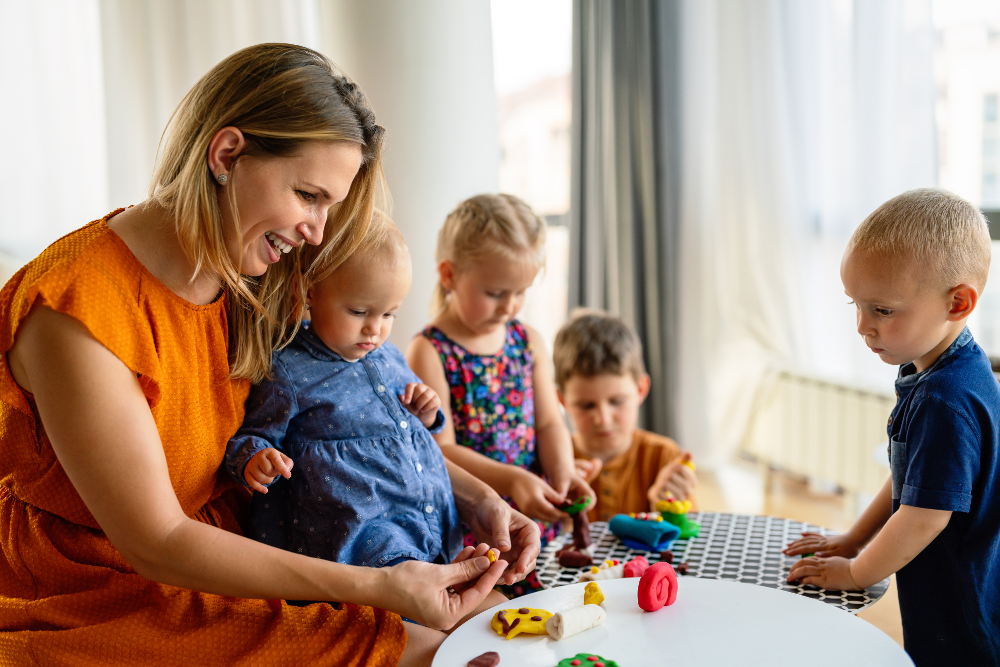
(283, 201)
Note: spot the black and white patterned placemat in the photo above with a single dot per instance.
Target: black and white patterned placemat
(734, 547)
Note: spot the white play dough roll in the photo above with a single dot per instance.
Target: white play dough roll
(572, 621)
(616, 572)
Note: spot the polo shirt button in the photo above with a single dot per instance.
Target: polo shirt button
(607, 492)
(429, 509)
(419, 467)
(403, 424)
(381, 389)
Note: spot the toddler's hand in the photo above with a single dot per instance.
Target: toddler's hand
(831, 573)
(534, 497)
(676, 478)
(422, 402)
(264, 467)
(823, 546)
(588, 470)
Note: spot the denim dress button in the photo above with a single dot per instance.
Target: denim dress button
(429, 509)
(381, 389)
(419, 467)
(403, 424)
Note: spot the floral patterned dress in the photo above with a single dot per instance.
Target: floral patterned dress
(493, 408)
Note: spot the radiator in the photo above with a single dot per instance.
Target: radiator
(821, 430)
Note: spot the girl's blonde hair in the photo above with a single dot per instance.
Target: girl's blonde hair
(488, 225)
(281, 97)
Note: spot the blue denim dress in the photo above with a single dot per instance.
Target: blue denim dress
(369, 485)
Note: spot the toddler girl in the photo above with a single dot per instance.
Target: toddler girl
(503, 411)
(370, 486)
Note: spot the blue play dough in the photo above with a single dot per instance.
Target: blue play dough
(647, 535)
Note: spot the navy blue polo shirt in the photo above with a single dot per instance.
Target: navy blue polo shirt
(943, 435)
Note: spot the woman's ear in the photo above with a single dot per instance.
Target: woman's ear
(962, 301)
(446, 274)
(225, 146)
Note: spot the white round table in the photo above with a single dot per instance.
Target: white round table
(711, 623)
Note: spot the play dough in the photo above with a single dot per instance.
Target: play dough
(575, 508)
(675, 512)
(592, 594)
(658, 587)
(586, 660)
(636, 567)
(492, 556)
(488, 659)
(644, 531)
(512, 622)
(606, 570)
(574, 621)
(574, 558)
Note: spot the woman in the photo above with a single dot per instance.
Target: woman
(129, 346)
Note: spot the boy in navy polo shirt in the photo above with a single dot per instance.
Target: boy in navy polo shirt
(915, 269)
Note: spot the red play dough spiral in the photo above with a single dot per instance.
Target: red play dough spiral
(658, 587)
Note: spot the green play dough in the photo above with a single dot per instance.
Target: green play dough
(582, 657)
(688, 528)
(576, 507)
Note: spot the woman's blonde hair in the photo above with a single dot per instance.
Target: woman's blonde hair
(281, 97)
(488, 225)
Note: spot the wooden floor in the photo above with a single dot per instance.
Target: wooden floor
(745, 487)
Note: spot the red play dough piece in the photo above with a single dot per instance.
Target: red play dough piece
(658, 587)
(636, 567)
(490, 659)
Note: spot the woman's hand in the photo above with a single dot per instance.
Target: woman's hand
(535, 497)
(419, 590)
(823, 546)
(495, 522)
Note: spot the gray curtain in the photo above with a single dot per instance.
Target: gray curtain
(625, 188)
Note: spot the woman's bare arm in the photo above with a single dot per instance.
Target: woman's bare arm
(103, 434)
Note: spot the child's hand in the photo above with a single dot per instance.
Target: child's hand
(588, 470)
(264, 467)
(823, 546)
(831, 573)
(422, 402)
(676, 478)
(534, 497)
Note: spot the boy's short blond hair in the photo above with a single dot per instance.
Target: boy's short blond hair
(593, 343)
(942, 232)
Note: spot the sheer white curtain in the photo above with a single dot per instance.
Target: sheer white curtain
(53, 171)
(799, 118)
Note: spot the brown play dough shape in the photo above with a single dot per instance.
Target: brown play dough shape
(488, 659)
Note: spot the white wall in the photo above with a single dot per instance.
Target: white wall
(427, 68)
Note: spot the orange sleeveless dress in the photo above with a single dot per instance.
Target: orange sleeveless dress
(67, 597)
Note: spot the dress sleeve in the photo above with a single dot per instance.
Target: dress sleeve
(270, 408)
(942, 451)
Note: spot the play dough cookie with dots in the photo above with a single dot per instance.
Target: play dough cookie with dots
(586, 660)
(592, 594)
(510, 623)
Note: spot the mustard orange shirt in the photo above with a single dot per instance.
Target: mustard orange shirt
(623, 482)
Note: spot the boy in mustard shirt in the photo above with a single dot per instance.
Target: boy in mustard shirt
(601, 382)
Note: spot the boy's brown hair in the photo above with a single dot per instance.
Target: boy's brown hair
(593, 343)
(933, 228)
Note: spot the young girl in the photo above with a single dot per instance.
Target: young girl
(503, 413)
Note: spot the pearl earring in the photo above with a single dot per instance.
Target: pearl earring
(222, 178)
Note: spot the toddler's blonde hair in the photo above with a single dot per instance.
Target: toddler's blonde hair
(382, 248)
(488, 225)
(942, 232)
